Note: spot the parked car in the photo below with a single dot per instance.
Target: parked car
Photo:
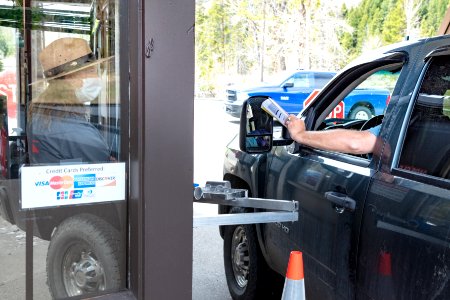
(370, 227)
(291, 93)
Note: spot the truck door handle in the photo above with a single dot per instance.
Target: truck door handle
(342, 201)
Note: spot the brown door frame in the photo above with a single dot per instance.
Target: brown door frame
(445, 25)
(161, 59)
(158, 53)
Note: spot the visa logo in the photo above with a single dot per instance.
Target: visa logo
(41, 183)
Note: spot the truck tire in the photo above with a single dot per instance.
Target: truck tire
(361, 112)
(84, 257)
(247, 274)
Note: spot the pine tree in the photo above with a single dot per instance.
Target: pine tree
(431, 16)
(395, 24)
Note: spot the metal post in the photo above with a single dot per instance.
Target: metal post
(168, 108)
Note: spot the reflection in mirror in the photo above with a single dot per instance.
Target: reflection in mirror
(260, 143)
(258, 121)
(256, 127)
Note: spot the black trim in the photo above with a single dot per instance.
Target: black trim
(70, 66)
(438, 52)
(423, 178)
(337, 156)
(396, 170)
(243, 131)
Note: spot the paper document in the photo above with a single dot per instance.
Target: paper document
(275, 110)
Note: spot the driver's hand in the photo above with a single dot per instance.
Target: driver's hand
(295, 126)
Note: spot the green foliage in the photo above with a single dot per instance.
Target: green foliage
(214, 40)
(366, 19)
(6, 44)
(17, 2)
(238, 40)
(394, 25)
(387, 21)
(432, 15)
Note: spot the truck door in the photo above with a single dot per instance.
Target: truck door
(331, 189)
(291, 98)
(407, 213)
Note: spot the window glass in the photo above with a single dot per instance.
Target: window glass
(299, 80)
(62, 176)
(302, 80)
(321, 80)
(362, 107)
(426, 148)
(369, 99)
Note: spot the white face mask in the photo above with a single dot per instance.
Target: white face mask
(89, 90)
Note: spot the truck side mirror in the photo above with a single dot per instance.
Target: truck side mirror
(256, 127)
(288, 85)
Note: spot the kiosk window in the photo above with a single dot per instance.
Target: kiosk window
(426, 149)
(62, 181)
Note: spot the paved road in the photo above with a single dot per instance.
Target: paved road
(208, 277)
(213, 130)
(12, 262)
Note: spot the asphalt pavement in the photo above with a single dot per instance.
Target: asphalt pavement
(208, 276)
(214, 129)
(12, 261)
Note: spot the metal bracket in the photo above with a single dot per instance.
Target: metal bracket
(220, 192)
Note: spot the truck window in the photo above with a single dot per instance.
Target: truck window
(426, 149)
(322, 79)
(300, 80)
(368, 99)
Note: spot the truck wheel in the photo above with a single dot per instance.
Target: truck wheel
(248, 276)
(361, 113)
(84, 256)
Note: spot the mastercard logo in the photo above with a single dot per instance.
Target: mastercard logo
(68, 182)
(61, 182)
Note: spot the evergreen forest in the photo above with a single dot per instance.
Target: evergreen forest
(249, 41)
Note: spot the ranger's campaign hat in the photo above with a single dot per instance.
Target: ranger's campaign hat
(65, 56)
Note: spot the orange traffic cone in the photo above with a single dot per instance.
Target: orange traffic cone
(294, 285)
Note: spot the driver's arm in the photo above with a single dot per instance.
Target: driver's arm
(339, 140)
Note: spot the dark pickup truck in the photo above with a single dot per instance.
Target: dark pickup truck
(373, 226)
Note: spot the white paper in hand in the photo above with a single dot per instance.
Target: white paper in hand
(275, 110)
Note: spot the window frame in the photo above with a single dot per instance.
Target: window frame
(348, 90)
(410, 174)
(316, 113)
(347, 76)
